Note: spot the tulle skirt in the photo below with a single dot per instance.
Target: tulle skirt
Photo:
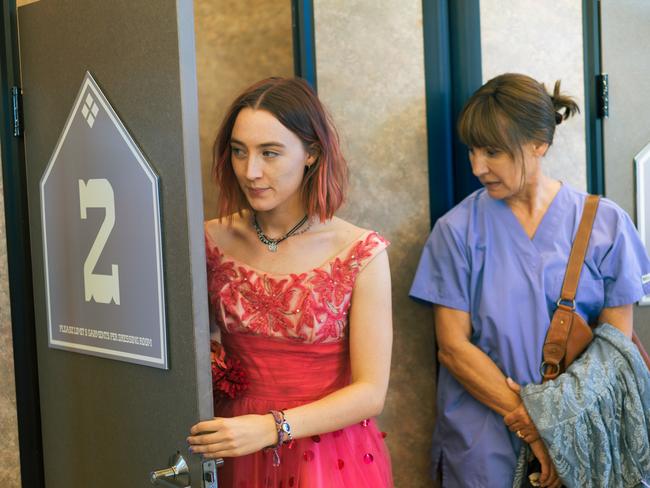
(283, 375)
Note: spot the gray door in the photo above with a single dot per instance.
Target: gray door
(106, 422)
(625, 28)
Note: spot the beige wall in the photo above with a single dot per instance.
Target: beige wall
(542, 38)
(9, 456)
(371, 76)
(238, 42)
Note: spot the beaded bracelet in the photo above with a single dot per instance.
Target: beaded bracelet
(284, 434)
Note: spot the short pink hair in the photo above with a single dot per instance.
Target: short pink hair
(296, 106)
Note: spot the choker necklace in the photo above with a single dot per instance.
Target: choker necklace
(272, 244)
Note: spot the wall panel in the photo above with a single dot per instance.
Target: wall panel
(543, 39)
(238, 42)
(9, 456)
(370, 69)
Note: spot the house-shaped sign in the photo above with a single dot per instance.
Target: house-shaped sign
(102, 250)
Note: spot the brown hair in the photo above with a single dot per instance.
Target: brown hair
(511, 110)
(296, 106)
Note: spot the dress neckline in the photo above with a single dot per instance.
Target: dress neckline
(362, 237)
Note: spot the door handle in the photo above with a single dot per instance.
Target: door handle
(178, 474)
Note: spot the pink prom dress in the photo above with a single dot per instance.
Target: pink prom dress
(290, 336)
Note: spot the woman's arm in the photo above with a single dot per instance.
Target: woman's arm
(474, 369)
(482, 378)
(620, 317)
(370, 352)
(371, 337)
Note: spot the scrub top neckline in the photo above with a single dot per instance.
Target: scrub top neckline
(546, 224)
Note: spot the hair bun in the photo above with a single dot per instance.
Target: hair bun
(564, 105)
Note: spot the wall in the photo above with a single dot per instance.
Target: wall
(370, 69)
(9, 454)
(543, 39)
(238, 42)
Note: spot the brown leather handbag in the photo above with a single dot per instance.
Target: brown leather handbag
(569, 335)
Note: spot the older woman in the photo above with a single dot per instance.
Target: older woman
(493, 268)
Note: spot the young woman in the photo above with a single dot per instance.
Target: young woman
(302, 301)
(493, 269)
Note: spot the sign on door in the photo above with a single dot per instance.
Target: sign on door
(102, 239)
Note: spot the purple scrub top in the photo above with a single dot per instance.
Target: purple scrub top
(478, 259)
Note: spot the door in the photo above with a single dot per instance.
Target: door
(107, 422)
(625, 24)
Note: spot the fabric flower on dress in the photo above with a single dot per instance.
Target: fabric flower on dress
(228, 377)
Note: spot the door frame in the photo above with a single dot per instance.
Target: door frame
(453, 71)
(19, 260)
(592, 104)
(304, 42)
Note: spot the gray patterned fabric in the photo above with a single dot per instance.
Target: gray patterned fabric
(595, 418)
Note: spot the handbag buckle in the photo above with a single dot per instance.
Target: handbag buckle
(567, 304)
(555, 370)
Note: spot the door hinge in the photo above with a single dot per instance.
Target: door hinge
(17, 110)
(602, 93)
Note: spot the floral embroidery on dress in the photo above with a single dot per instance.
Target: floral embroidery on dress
(268, 303)
(220, 272)
(307, 307)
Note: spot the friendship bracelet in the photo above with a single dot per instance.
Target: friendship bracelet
(284, 434)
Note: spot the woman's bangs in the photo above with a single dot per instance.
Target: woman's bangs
(482, 126)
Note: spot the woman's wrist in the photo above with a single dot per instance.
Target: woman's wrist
(270, 429)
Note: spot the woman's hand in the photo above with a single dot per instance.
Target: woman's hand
(232, 437)
(549, 477)
(518, 421)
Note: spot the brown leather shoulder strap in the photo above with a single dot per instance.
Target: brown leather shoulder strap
(579, 249)
(556, 344)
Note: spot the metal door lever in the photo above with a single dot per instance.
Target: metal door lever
(178, 467)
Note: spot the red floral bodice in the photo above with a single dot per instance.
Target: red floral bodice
(309, 307)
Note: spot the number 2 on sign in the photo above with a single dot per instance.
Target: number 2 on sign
(98, 193)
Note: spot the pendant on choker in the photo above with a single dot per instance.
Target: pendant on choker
(272, 244)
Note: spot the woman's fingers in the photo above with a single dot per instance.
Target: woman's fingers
(513, 386)
(518, 418)
(551, 477)
(206, 449)
(545, 474)
(553, 481)
(520, 423)
(540, 452)
(530, 438)
(211, 438)
(206, 426)
(523, 428)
